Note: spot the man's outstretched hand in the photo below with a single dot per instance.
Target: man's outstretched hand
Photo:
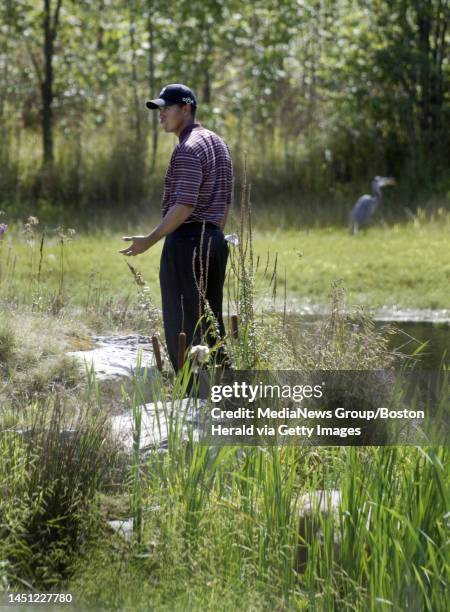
(175, 216)
(140, 245)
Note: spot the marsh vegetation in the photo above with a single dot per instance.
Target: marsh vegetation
(212, 527)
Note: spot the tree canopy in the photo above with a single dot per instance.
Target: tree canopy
(329, 91)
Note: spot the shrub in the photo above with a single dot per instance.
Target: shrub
(49, 474)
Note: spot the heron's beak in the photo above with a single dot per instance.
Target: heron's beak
(388, 180)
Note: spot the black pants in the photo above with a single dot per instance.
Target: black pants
(193, 263)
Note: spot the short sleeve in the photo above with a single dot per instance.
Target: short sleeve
(187, 178)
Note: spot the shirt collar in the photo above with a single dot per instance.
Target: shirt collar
(187, 130)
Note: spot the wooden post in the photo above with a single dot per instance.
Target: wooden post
(157, 351)
(234, 327)
(181, 349)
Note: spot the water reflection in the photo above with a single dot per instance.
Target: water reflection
(407, 339)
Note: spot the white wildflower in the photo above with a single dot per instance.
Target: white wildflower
(199, 353)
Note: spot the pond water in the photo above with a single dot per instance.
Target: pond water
(411, 334)
(408, 337)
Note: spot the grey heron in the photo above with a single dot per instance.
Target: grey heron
(366, 205)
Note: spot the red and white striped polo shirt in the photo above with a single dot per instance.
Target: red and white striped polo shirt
(200, 174)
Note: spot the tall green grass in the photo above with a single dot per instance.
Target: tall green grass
(52, 464)
(219, 519)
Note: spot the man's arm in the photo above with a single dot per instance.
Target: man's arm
(176, 215)
(230, 191)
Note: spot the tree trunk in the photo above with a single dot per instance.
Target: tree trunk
(207, 88)
(4, 126)
(50, 25)
(100, 29)
(152, 85)
(207, 63)
(47, 88)
(432, 23)
(137, 105)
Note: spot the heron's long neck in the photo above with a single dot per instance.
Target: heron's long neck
(376, 190)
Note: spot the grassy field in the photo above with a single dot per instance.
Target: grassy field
(407, 266)
(402, 265)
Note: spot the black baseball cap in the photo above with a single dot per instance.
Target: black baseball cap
(176, 93)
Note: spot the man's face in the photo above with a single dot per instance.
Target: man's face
(173, 117)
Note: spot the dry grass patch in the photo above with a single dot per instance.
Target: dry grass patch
(33, 356)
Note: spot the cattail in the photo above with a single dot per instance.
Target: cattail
(157, 352)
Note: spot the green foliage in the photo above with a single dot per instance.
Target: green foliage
(217, 522)
(50, 471)
(317, 95)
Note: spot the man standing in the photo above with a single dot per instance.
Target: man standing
(197, 197)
